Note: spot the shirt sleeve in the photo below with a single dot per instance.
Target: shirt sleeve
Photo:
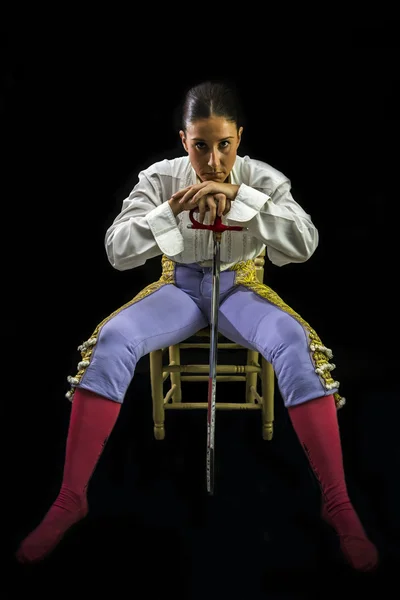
(146, 227)
(278, 221)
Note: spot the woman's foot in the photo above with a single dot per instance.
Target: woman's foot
(67, 510)
(316, 425)
(358, 550)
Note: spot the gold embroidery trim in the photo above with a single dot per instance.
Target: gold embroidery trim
(86, 349)
(246, 276)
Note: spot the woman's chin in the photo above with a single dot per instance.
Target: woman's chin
(213, 177)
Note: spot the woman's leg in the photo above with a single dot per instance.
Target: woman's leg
(256, 323)
(165, 317)
(91, 422)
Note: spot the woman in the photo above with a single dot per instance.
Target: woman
(153, 221)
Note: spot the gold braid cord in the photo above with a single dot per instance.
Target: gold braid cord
(246, 276)
(86, 349)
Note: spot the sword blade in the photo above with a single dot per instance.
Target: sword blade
(213, 365)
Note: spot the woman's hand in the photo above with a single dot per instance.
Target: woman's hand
(195, 192)
(214, 203)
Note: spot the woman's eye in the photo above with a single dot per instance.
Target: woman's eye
(202, 146)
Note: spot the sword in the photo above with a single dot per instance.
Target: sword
(218, 228)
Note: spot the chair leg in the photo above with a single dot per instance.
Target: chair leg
(251, 378)
(157, 393)
(175, 358)
(268, 386)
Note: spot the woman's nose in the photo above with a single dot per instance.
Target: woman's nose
(214, 160)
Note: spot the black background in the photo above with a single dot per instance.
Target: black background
(83, 111)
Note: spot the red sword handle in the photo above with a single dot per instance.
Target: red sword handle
(218, 226)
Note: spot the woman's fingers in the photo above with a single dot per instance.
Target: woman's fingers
(203, 208)
(184, 196)
(207, 204)
(221, 199)
(216, 204)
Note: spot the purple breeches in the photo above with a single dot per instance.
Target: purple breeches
(171, 312)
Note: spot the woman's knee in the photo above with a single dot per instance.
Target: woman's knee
(290, 330)
(116, 341)
(111, 365)
(285, 335)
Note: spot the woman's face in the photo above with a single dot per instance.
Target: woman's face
(212, 146)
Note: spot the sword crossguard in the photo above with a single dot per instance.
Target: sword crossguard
(218, 226)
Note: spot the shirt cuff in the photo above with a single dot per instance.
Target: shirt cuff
(164, 227)
(247, 204)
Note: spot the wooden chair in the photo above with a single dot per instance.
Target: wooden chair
(259, 378)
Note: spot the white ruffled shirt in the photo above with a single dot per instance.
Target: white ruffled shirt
(264, 206)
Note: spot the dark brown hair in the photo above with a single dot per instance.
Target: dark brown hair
(211, 98)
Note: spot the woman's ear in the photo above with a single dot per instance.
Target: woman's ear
(183, 139)
(239, 136)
